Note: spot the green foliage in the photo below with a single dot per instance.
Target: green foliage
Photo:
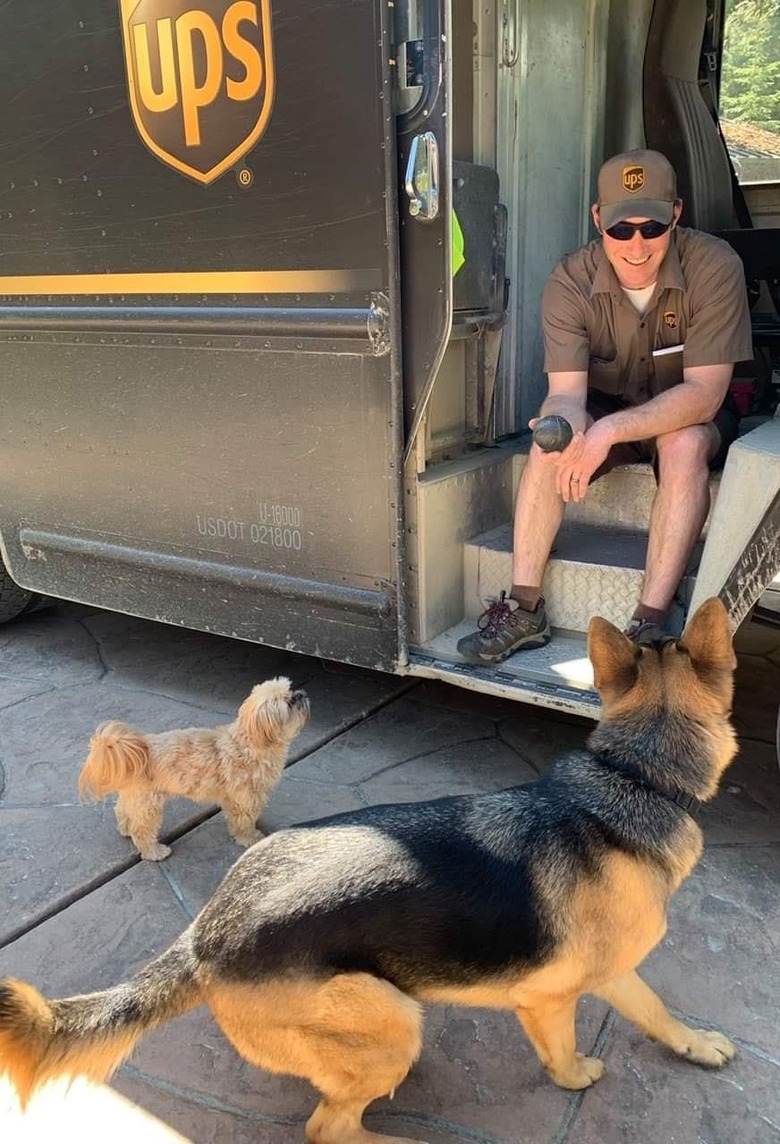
(750, 78)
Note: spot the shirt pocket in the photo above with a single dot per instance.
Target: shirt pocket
(604, 376)
(667, 369)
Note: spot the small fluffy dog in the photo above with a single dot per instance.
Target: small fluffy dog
(236, 765)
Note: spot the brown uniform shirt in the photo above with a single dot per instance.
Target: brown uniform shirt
(699, 305)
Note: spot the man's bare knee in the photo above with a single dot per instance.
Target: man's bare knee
(537, 470)
(685, 452)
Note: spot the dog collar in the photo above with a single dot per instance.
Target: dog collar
(688, 802)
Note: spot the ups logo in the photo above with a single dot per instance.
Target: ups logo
(200, 75)
(633, 179)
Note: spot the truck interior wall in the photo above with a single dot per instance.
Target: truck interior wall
(463, 80)
(551, 114)
(629, 22)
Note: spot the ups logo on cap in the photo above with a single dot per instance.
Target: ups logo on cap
(633, 179)
(200, 75)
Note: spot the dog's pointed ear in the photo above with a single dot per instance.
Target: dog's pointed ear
(613, 655)
(707, 637)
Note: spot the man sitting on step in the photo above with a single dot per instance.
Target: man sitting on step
(642, 328)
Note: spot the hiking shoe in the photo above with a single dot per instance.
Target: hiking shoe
(504, 628)
(644, 632)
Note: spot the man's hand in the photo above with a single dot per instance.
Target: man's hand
(564, 460)
(592, 447)
(579, 460)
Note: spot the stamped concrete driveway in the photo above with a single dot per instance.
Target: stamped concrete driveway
(79, 911)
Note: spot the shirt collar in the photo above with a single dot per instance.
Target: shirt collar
(670, 276)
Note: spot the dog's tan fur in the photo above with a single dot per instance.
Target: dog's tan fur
(355, 1034)
(236, 765)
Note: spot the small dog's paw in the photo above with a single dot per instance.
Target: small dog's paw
(156, 852)
(248, 837)
(707, 1048)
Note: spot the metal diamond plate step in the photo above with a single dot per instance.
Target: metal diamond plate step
(592, 571)
(564, 661)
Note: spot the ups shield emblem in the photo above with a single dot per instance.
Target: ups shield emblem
(670, 319)
(200, 75)
(633, 179)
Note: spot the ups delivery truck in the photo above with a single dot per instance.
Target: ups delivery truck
(248, 383)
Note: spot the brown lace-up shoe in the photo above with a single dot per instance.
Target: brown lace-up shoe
(504, 628)
(644, 632)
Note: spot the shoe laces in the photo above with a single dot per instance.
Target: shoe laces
(637, 629)
(495, 617)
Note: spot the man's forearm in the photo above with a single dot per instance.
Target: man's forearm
(568, 406)
(685, 404)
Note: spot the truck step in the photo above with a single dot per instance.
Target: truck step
(558, 676)
(592, 572)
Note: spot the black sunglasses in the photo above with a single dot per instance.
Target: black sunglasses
(624, 231)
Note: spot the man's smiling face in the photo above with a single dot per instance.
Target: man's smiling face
(637, 261)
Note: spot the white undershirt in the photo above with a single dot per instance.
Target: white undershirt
(640, 299)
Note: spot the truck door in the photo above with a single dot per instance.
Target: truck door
(200, 371)
(424, 80)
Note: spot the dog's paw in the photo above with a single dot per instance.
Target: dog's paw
(582, 1073)
(248, 837)
(710, 1049)
(156, 852)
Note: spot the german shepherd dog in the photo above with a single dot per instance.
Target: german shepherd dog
(323, 940)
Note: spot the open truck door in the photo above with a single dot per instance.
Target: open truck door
(200, 314)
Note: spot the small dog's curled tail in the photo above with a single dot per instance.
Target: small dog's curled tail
(118, 757)
(91, 1035)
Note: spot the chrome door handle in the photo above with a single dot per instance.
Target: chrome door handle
(422, 176)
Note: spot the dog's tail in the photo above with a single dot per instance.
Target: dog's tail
(117, 756)
(91, 1035)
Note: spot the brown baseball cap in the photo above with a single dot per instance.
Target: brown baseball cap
(636, 184)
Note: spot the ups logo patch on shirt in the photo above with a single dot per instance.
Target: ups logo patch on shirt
(670, 319)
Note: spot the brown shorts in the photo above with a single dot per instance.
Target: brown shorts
(600, 405)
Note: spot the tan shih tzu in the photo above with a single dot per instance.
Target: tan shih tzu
(236, 765)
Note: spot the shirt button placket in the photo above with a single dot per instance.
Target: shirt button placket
(644, 338)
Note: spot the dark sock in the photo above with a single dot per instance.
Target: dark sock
(655, 615)
(526, 596)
